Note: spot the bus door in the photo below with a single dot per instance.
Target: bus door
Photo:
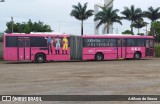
(149, 47)
(121, 48)
(24, 48)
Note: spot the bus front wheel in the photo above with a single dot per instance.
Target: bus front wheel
(40, 58)
(137, 56)
(99, 56)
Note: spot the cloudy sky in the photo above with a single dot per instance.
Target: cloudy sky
(56, 13)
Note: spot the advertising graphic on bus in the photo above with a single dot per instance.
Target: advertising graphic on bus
(62, 47)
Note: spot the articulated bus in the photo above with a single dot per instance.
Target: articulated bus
(62, 47)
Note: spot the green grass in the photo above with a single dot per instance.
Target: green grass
(1, 58)
(1, 37)
(157, 50)
(1, 34)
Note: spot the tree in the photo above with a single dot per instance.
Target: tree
(153, 15)
(139, 24)
(156, 26)
(132, 14)
(9, 27)
(107, 16)
(1, 37)
(27, 27)
(127, 32)
(142, 34)
(81, 13)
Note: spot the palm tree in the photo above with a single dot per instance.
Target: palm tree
(81, 13)
(132, 14)
(153, 15)
(139, 24)
(107, 16)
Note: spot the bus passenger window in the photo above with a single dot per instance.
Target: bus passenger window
(21, 43)
(119, 42)
(139, 42)
(38, 42)
(130, 42)
(147, 43)
(27, 43)
(11, 41)
(151, 43)
(123, 42)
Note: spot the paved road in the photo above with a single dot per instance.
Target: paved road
(124, 77)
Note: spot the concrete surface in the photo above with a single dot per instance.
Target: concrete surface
(123, 77)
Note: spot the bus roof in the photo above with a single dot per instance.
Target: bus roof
(116, 36)
(36, 34)
(52, 33)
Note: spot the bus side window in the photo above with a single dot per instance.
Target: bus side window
(151, 43)
(27, 43)
(130, 42)
(123, 42)
(119, 43)
(38, 42)
(11, 41)
(113, 42)
(20, 42)
(139, 42)
(147, 43)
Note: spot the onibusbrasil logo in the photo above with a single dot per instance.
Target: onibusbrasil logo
(20, 98)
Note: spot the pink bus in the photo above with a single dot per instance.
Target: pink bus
(61, 47)
(108, 47)
(36, 47)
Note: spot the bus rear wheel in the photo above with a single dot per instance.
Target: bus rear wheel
(40, 58)
(137, 56)
(99, 56)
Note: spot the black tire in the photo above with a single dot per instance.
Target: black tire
(137, 56)
(99, 57)
(40, 58)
